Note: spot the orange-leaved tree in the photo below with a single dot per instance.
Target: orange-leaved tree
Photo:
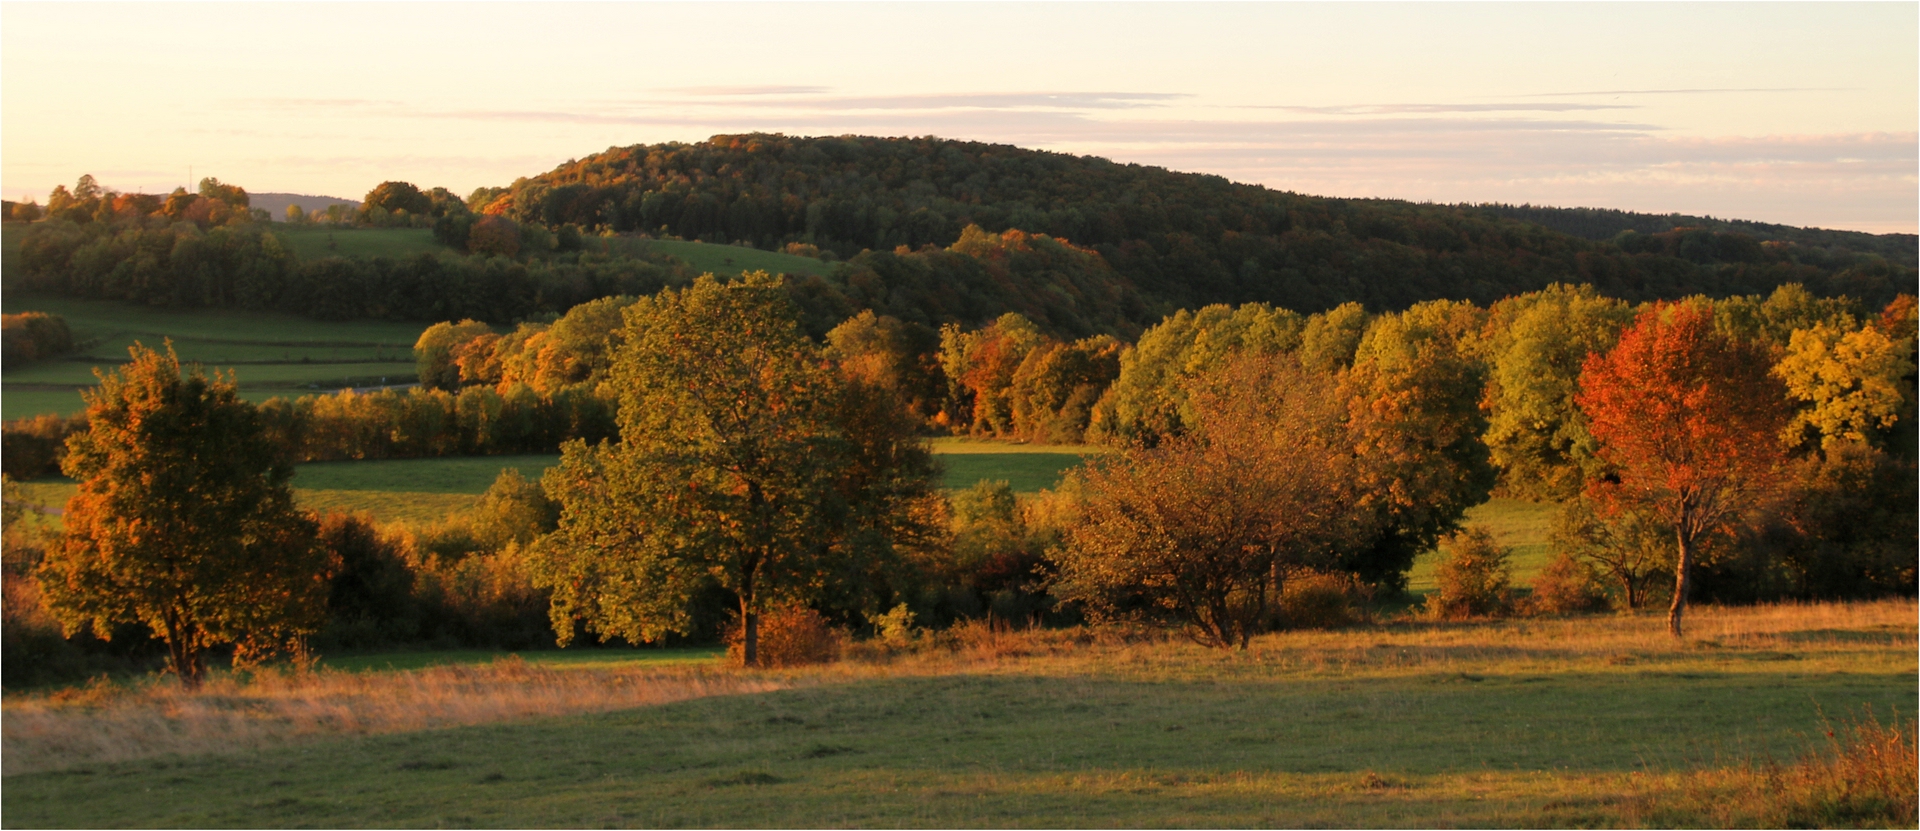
(1689, 421)
(184, 521)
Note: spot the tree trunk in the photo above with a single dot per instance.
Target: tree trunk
(1681, 569)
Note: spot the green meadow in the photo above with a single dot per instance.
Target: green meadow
(1552, 723)
(721, 260)
(312, 242)
(270, 354)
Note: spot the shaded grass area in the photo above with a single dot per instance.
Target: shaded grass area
(271, 354)
(318, 241)
(1509, 724)
(465, 474)
(721, 260)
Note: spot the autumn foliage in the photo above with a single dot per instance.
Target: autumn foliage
(1689, 421)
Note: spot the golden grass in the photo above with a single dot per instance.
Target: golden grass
(1867, 776)
(104, 723)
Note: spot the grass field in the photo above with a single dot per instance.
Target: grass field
(271, 354)
(1546, 723)
(723, 260)
(312, 242)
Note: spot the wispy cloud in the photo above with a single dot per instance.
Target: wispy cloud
(1400, 109)
(748, 91)
(1699, 91)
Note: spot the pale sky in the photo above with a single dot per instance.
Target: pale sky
(1804, 114)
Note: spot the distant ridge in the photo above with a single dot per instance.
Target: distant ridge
(1607, 223)
(276, 203)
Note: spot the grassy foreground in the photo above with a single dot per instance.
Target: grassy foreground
(1579, 722)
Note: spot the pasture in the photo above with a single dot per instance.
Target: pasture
(721, 260)
(312, 242)
(1578, 722)
(271, 354)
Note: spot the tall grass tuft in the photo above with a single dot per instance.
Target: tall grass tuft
(1865, 777)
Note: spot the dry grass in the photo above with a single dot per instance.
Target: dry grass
(1867, 776)
(105, 723)
(1820, 636)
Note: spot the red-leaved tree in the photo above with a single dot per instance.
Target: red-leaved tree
(1690, 422)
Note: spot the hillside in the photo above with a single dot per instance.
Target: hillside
(275, 204)
(1172, 240)
(1606, 224)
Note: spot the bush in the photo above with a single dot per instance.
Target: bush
(33, 336)
(790, 636)
(31, 448)
(1474, 576)
(1320, 600)
(1566, 586)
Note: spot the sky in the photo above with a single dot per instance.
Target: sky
(1796, 113)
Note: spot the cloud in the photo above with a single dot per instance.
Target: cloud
(1394, 109)
(747, 91)
(1702, 91)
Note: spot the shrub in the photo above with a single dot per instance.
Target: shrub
(1566, 586)
(33, 336)
(1320, 600)
(31, 448)
(1474, 575)
(790, 636)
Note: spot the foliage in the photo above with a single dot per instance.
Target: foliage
(1199, 528)
(1148, 396)
(182, 265)
(1413, 406)
(894, 355)
(434, 351)
(740, 462)
(1689, 421)
(1534, 345)
(183, 520)
(1170, 240)
(1629, 546)
(31, 448)
(791, 635)
(33, 336)
(1854, 384)
(1321, 600)
(1474, 577)
(1565, 586)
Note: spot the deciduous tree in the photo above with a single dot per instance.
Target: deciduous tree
(740, 462)
(1203, 527)
(184, 521)
(1689, 421)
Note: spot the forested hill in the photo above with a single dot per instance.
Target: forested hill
(1606, 223)
(1172, 240)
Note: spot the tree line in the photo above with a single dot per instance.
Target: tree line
(1741, 449)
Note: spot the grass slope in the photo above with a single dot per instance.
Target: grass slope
(725, 260)
(314, 242)
(271, 354)
(1520, 723)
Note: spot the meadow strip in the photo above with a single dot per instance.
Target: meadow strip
(102, 723)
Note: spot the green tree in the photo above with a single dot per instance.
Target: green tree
(1535, 345)
(1413, 399)
(396, 196)
(183, 521)
(738, 464)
